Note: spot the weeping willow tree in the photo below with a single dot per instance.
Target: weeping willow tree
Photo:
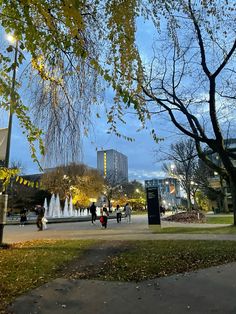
(66, 47)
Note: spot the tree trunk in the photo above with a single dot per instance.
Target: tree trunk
(189, 204)
(109, 205)
(233, 194)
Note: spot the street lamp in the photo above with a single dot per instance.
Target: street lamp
(11, 39)
(4, 197)
(172, 167)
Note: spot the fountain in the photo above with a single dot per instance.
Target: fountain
(71, 209)
(66, 210)
(54, 209)
(51, 206)
(45, 205)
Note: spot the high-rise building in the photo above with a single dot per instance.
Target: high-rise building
(113, 165)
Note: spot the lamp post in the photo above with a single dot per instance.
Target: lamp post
(4, 197)
(12, 101)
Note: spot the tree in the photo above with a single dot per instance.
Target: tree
(191, 79)
(76, 180)
(202, 176)
(112, 188)
(68, 43)
(132, 192)
(183, 155)
(136, 195)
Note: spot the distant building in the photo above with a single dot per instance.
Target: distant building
(169, 189)
(113, 165)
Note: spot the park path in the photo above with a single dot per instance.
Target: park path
(138, 230)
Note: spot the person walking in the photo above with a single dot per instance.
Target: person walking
(118, 214)
(104, 219)
(128, 213)
(93, 212)
(23, 217)
(40, 210)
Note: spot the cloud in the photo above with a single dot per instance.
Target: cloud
(141, 175)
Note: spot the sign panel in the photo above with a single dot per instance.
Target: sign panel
(153, 206)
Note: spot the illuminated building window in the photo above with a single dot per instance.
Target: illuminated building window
(105, 164)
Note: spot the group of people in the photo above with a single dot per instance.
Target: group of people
(41, 220)
(105, 213)
(127, 210)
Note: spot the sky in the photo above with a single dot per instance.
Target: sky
(141, 152)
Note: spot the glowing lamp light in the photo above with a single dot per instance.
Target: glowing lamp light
(10, 38)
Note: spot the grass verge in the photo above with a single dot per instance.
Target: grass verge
(197, 230)
(24, 266)
(151, 259)
(220, 220)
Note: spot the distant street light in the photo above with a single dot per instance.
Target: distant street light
(172, 167)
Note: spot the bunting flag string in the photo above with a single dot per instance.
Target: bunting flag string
(6, 175)
(26, 182)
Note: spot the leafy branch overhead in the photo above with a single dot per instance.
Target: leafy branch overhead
(66, 40)
(6, 175)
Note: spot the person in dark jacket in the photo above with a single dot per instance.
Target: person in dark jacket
(118, 214)
(93, 212)
(40, 210)
(23, 217)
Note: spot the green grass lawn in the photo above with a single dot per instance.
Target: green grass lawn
(28, 265)
(203, 230)
(151, 259)
(139, 212)
(220, 220)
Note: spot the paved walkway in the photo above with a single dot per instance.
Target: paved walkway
(137, 230)
(205, 291)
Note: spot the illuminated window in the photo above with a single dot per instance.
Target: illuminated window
(105, 164)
